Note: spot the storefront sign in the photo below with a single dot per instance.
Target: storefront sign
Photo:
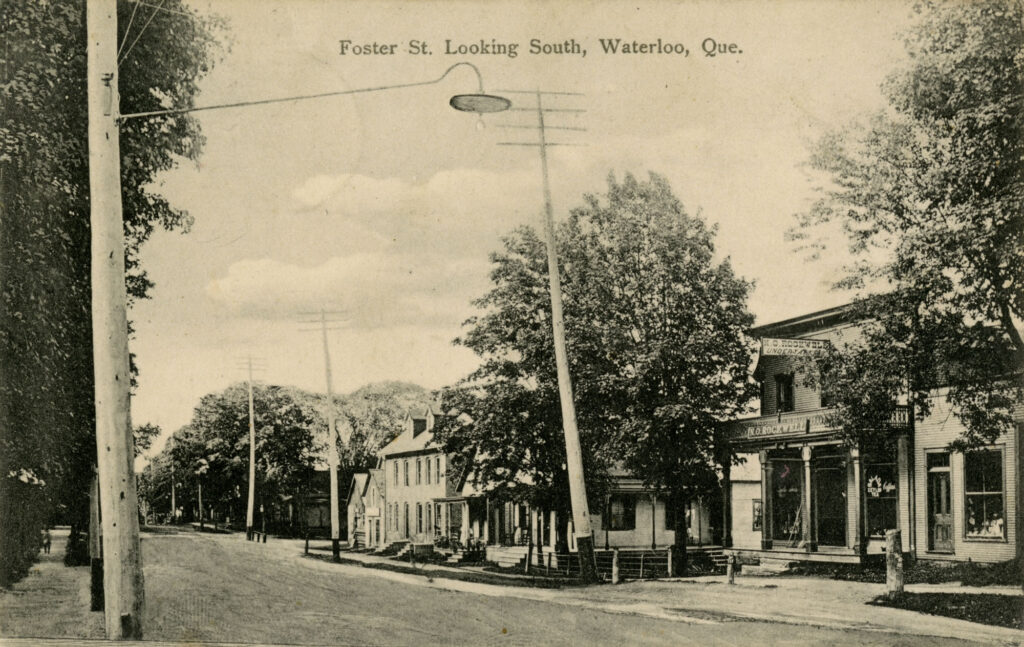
(774, 346)
(788, 426)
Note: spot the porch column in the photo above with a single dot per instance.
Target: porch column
(809, 543)
(464, 530)
(727, 505)
(766, 501)
(904, 520)
(858, 517)
(487, 523)
(654, 522)
(553, 531)
(605, 521)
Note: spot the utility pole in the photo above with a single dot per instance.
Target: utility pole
(124, 596)
(574, 456)
(174, 502)
(333, 459)
(252, 461)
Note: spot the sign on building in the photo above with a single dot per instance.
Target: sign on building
(774, 346)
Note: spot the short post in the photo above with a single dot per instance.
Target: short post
(307, 543)
(893, 564)
(615, 566)
(547, 570)
(669, 552)
(641, 565)
(730, 569)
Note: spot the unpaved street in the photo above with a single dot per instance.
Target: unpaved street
(220, 588)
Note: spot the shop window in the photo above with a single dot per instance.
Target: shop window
(984, 504)
(621, 513)
(784, 393)
(758, 516)
(880, 487)
(787, 500)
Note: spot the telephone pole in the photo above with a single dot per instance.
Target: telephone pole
(174, 502)
(124, 596)
(333, 459)
(252, 457)
(573, 454)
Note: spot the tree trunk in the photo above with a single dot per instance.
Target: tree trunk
(679, 546)
(529, 539)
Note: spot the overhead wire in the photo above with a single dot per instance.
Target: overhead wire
(167, 9)
(127, 30)
(141, 32)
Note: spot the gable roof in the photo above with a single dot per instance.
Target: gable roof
(415, 437)
(357, 487)
(377, 479)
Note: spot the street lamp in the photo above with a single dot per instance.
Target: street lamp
(574, 459)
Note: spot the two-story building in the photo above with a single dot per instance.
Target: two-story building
(414, 471)
(802, 494)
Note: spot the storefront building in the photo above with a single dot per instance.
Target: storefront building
(801, 494)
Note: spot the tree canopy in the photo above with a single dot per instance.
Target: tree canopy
(291, 438)
(46, 390)
(654, 329)
(930, 196)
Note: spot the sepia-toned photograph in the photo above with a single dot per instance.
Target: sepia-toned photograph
(511, 322)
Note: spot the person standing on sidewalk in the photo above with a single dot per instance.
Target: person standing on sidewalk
(46, 541)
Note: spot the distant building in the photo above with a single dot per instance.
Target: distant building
(365, 510)
(414, 472)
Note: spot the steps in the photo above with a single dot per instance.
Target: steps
(507, 556)
(717, 556)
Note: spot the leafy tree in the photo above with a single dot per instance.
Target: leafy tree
(46, 399)
(654, 326)
(144, 436)
(214, 447)
(930, 195)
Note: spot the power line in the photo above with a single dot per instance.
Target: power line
(141, 32)
(127, 30)
(167, 9)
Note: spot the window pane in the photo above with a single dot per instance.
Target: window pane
(938, 460)
(984, 471)
(984, 516)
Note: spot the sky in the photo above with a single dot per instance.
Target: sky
(386, 204)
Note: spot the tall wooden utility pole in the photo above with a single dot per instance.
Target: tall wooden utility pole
(252, 461)
(174, 502)
(318, 321)
(332, 451)
(124, 597)
(574, 456)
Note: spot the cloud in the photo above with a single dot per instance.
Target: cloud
(375, 290)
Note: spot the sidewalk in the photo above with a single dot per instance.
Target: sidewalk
(52, 600)
(789, 600)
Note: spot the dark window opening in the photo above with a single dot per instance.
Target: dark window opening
(784, 393)
(621, 513)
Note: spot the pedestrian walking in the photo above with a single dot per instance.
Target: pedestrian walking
(46, 540)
